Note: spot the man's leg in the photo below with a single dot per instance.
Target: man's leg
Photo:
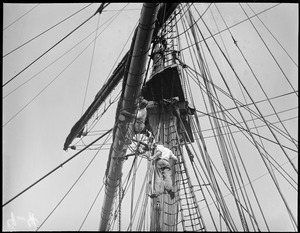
(168, 182)
(158, 184)
(167, 179)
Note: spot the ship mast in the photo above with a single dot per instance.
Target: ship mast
(132, 70)
(129, 103)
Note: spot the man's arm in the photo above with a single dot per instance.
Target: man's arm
(156, 155)
(173, 157)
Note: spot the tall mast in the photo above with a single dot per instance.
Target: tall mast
(132, 92)
(164, 12)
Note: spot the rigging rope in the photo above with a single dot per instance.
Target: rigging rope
(220, 140)
(224, 181)
(268, 50)
(50, 81)
(45, 31)
(91, 207)
(49, 49)
(64, 54)
(213, 179)
(192, 161)
(264, 150)
(245, 129)
(269, 169)
(256, 127)
(59, 166)
(223, 107)
(259, 83)
(21, 17)
(251, 132)
(273, 36)
(245, 90)
(79, 177)
(242, 21)
(261, 101)
(91, 63)
(221, 89)
(132, 192)
(243, 106)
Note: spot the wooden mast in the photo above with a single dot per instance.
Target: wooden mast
(131, 69)
(132, 92)
(163, 123)
(164, 12)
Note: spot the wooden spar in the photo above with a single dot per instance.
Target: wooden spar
(100, 97)
(165, 11)
(129, 102)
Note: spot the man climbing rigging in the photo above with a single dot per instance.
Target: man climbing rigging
(139, 123)
(141, 116)
(163, 179)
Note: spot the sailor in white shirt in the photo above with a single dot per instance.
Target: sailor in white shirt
(163, 179)
(141, 116)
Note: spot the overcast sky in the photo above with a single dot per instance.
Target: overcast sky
(35, 128)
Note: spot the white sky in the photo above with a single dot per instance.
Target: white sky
(33, 139)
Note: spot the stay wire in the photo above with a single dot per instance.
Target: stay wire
(139, 198)
(250, 206)
(260, 101)
(275, 122)
(245, 130)
(45, 31)
(223, 150)
(214, 167)
(21, 17)
(145, 205)
(252, 133)
(126, 188)
(40, 92)
(262, 144)
(196, 175)
(91, 64)
(234, 25)
(254, 75)
(250, 182)
(267, 47)
(279, 144)
(58, 58)
(245, 106)
(208, 114)
(48, 50)
(242, 129)
(273, 36)
(112, 69)
(218, 29)
(259, 177)
(59, 166)
(212, 176)
(47, 84)
(91, 207)
(182, 14)
(93, 124)
(225, 92)
(70, 189)
(132, 193)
